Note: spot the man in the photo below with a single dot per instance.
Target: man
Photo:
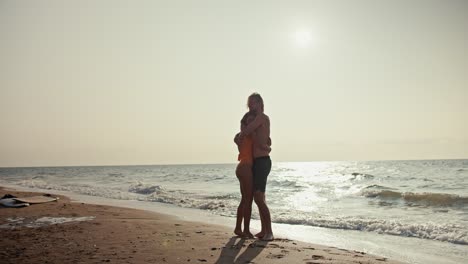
(260, 130)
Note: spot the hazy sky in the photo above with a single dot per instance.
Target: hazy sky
(163, 82)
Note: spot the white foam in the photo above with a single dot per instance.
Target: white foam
(394, 247)
(187, 187)
(226, 205)
(142, 188)
(428, 230)
(60, 220)
(40, 222)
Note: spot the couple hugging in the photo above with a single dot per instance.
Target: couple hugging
(254, 166)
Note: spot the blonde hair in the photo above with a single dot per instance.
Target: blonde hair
(245, 117)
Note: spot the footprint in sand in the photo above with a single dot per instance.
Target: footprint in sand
(252, 245)
(283, 240)
(315, 257)
(275, 256)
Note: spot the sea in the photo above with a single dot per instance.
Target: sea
(413, 211)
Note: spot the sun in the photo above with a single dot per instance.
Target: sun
(302, 38)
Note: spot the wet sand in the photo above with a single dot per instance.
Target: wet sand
(121, 235)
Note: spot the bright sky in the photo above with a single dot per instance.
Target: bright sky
(165, 82)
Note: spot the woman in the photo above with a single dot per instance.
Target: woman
(244, 174)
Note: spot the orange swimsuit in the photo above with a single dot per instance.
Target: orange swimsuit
(246, 150)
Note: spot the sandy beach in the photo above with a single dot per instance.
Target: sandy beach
(101, 234)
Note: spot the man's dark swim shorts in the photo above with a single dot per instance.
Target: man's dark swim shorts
(261, 168)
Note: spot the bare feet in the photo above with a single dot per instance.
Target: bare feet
(247, 235)
(268, 237)
(238, 232)
(260, 234)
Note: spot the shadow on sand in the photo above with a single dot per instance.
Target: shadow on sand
(235, 245)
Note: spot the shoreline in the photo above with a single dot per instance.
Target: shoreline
(124, 235)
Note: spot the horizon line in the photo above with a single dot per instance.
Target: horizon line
(220, 163)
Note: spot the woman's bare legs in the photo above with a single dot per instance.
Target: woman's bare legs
(244, 210)
(240, 215)
(247, 198)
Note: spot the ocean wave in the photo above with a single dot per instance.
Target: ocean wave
(78, 188)
(361, 176)
(427, 199)
(118, 175)
(441, 232)
(284, 169)
(220, 204)
(227, 205)
(141, 188)
(223, 197)
(159, 199)
(211, 205)
(376, 186)
(285, 184)
(382, 194)
(47, 173)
